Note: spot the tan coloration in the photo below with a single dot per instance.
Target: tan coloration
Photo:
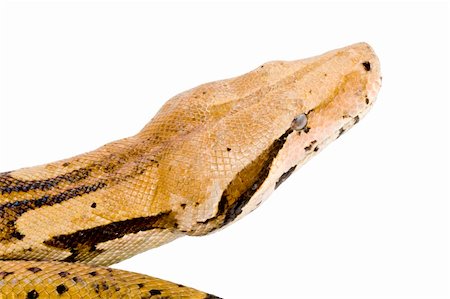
(209, 156)
(33, 279)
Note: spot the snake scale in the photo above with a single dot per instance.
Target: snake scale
(210, 156)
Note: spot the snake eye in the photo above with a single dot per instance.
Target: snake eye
(299, 122)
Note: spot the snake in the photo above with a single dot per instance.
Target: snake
(209, 156)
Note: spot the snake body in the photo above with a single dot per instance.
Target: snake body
(210, 156)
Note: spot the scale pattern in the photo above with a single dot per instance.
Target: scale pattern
(35, 279)
(210, 156)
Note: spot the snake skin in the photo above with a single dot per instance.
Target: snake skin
(211, 155)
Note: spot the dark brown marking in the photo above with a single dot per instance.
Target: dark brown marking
(33, 294)
(183, 205)
(341, 131)
(366, 65)
(93, 273)
(34, 269)
(77, 279)
(9, 184)
(83, 243)
(16, 235)
(140, 285)
(11, 211)
(367, 101)
(94, 205)
(105, 286)
(96, 287)
(284, 176)
(114, 161)
(306, 130)
(3, 274)
(316, 149)
(245, 184)
(309, 147)
(209, 296)
(228, 149)
(63, 274)
(61, 289)
(154, 292)
(356, 119)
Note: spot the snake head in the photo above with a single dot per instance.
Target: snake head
(237, 140)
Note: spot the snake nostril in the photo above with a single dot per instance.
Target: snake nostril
(366, 65)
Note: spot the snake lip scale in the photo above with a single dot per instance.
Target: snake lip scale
(210, 156)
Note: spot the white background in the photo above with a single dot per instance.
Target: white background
(367, 218)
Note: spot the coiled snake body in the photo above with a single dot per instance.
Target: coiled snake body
(208, 157)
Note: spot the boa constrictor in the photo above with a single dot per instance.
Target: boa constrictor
(208, 157)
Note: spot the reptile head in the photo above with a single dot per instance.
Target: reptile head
(310, 103)
(238, 139)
